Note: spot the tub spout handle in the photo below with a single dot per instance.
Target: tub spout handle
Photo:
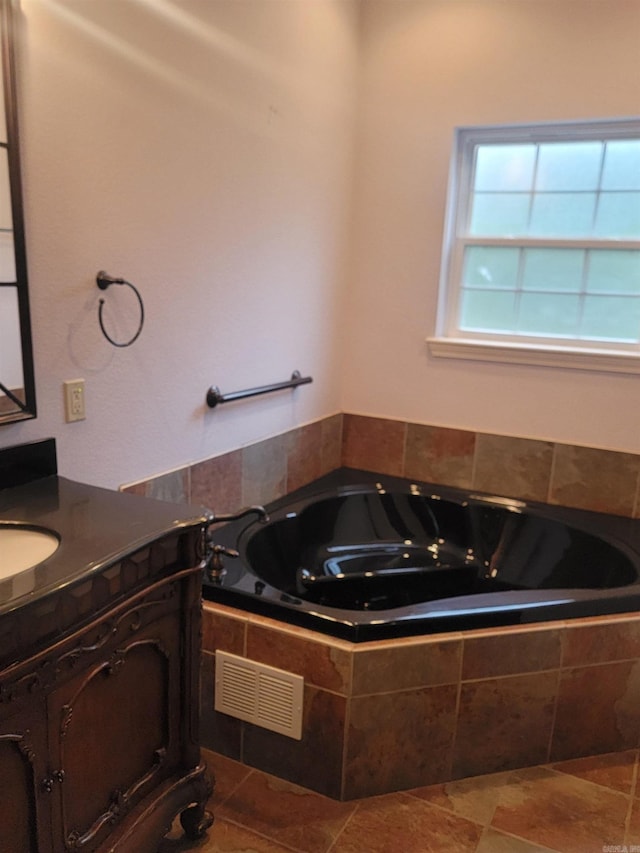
(215, 568)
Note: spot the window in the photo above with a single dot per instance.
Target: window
(542, 254)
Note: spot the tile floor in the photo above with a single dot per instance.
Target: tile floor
(588, 805)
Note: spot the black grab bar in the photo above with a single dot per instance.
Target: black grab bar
(214, 396)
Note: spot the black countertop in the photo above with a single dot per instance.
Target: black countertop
(96, 527)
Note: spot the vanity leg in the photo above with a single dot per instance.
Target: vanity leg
(195, 819)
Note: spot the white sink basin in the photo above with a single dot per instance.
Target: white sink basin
(22, 547)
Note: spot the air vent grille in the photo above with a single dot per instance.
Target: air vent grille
(259, 694)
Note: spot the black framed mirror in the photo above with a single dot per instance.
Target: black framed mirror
(17, 382)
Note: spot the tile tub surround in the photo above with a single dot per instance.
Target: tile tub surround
(525, 468)
(393, 715)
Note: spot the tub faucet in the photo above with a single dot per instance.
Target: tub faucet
(214, 564)
(234, 516)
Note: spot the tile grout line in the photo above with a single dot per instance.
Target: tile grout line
(474, 460)
(345, 734)
(441, 808)
(285, 845)
(634, 783)
(250, 772)
(354, 811)
(554, 714)
(456, 717)
(550, 766)
(552, 472)
(405, 438)
(636, 498)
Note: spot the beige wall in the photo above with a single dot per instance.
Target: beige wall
(203, 151)
(427, 67)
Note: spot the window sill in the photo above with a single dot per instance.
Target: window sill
(609, 361)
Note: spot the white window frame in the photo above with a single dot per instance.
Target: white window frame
(448, 341)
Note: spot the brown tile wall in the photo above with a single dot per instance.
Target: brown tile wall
(582, 477)
(562, 474)
(398, 714)
(255, 474)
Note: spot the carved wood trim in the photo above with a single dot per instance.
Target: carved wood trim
(174, 796)
(22, 741)
(38, 624)
(121, 803)
(111, 627)
(44, 671)
(111, 667)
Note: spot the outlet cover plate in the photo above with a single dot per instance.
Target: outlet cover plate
(74, 408)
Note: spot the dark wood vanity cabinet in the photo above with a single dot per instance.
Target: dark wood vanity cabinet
(99, 728)
(23, 759)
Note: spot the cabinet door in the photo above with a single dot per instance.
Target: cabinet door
(113, 730)
(24, 801)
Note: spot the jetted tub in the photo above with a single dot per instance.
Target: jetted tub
(365, 556)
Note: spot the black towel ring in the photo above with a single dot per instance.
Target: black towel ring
(104, 280)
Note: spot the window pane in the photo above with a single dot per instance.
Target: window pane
(569, 166)
(613, 318)
(504, 167)
(499, 214)
(562, 214)
(487, 311)
(553, 269)
(549, 314)
(622, 165)
(486, 266)
(618, 215)
(613, 272)
(548, 226)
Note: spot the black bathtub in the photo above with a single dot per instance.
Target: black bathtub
(364, 556)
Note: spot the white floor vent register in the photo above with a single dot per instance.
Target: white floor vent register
(259, 694)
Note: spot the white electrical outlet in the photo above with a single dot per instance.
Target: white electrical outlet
(74, 400)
